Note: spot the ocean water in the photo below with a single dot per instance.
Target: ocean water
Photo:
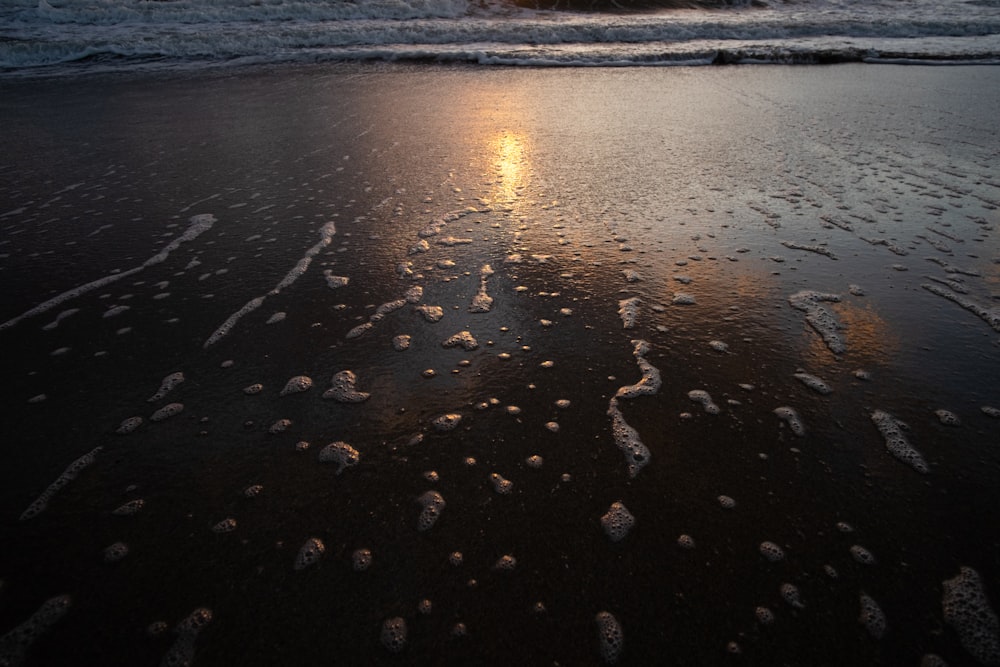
(74, 36)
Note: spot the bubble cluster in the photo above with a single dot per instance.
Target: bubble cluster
(253, 389)
(505, 563)
(501, 485)
(610, 637)
(393, 636)
(896, 442)
(359, 331)
(771, 551)
(791, 417)
(705, 400)
(166, 386)
(967, 610)
(431, 313)
(534, 461)
(309, 553)
(335, 282)
(482, 302)
(726, 503)
(343, 388)
(361, 560)
(685, 542)
(340, 453)
(990, 411)
(68, 475)
(401, 342)
(718, 346)
(279, 426)
(227, 525)
(253, 491)
(277, 317)
(431, 505)
(764, 615)
(872, 617)
(462, 339)
(167, 411)
(989, 315)
(651, 380)
(819, 318)
(813, 383)
(617, 521)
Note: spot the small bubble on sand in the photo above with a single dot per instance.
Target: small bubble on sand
(862, 555)
(683, 299)
(513, 410)
(845, 527)
(277, 317)
(991, 411)
(718, 346)
(361, 560)
(227, 525)
(431, 504)
(425, 607)
(813, 383)
(820, 318)
(340, 453)
(534, 461)
(611, 639)
(685, 542)
(335, 282)
(501, 485)
(432, 476)
(401, 342)
(309, 553)
(462, 339)
(562, 403)
(792, 419)
(253, 389)
(167, 411)
(764, 616)
(459, 630)
(228, 363)
(552, 426)
(831, 572)
(547, 364)
(297, 385)
(617, 522)
(725, 502)
(872, 617)
(393, 636)
(505, 563)
(253, 491)
(157, 629)
(456, 558)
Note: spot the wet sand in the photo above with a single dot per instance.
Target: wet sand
(711, 295)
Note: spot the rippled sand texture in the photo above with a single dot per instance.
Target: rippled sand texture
(400, 365)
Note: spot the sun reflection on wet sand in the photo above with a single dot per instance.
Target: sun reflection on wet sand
(511, 166)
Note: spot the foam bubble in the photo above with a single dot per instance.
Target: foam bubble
(628, 310)
(725, 502)
(309, 553)
(361, 560)
(115, 310)
(771, 551)
(685, 542)
(335, 282)
(446, 422)
(967, 610)
(991, 411)
(562, 403)
(432, 504)
(482, 302)
(15, 644)
(463, 339)
(181, 653)
(651, 380)
(683, 299)
(401, 342)
(932, 660)
(393, 636)
(617, 521)
(253, 491)
(431, 313)
(115, 552)
(791, 417)
(131, 508)
(425, 607)
(872, 617)
(896, 442)
(227, 525)
(167, 411)
(252, 389)
(718, 346)
(790, 594)
(552, 426)
(359, 331)
(343, 388)
(505, 563)
(500, 484)
(166, 386)
(534, 461)
(129, 425)
(340, 453)
(69, 474)
(819, 318)
(627, 439)
(813, 383)
(862, 555)
(456, 558)
(705, 399)
(297, 385)
(276, 317)
(948, 418)
(280, 426)
(764, 616)
(610, 637)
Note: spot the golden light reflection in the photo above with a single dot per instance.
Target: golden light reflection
(869, 338)
(511, 166)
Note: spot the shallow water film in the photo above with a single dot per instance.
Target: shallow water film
(431, 366)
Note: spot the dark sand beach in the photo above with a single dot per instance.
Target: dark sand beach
(759, 307)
